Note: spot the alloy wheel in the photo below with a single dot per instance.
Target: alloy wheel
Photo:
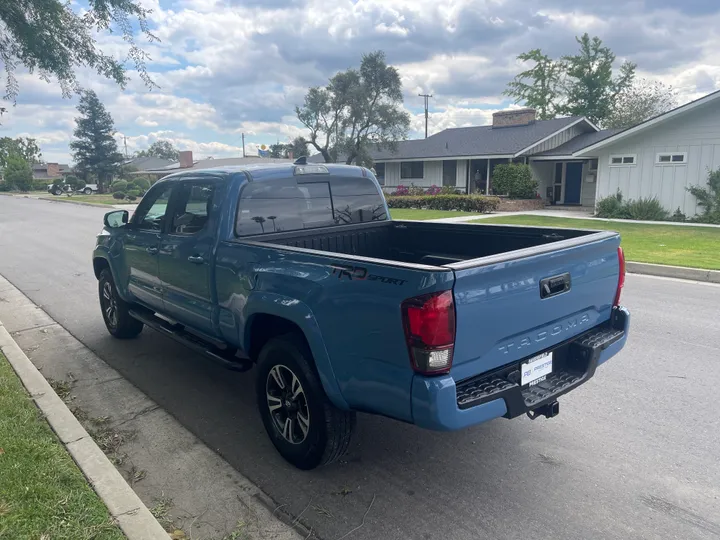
(110, 305)
(288, 405)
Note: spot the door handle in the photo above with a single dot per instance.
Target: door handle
(196, 259)
(152, 250)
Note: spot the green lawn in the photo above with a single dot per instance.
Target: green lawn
(675, 245)
(105, 199)
(42, 492)
(409, 213)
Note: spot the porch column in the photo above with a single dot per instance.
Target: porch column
(487, 179)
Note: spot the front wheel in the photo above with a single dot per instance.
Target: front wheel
(304, 426)
(115, 311)
(87, 191)
(57, 191)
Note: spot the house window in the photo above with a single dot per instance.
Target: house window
(412, 170)
(593, 165)
(380, 173)
(622, 160)
(675, 158)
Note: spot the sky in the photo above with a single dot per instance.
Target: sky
(228, 67)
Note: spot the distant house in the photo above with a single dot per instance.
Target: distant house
(187, 162)
(574, 162)
(149, 162)
(50, 171)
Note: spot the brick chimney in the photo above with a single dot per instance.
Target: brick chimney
(53, 170)
(513, 117)
(186, 159)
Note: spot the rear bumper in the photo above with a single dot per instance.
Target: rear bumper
(440, 403)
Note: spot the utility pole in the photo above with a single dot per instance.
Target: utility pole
(126, 154)
(426, 97)
(243, 140)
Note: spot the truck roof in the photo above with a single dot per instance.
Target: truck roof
(271, 171)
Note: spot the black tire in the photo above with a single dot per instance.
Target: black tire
(329, 430)
(115, 310)
(57, 191)
(87, 191)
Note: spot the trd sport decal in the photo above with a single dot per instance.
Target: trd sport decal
(359, 273)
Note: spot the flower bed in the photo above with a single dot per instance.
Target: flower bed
(464, 203)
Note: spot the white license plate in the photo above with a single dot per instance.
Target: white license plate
(536, 369)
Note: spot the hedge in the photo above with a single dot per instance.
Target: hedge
(465, 203)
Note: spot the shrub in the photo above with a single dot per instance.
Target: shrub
(4, 186)
(647, 209)
(401, 191)
(514, 180)
(415, 191)
(448, 190)
(708, 198)
(678, 216)
(40, 185)
(133, 193)
(74, 182)
(130, 197)
(466, 203)
(610, 207)
(433, 190)
(119, 195)
(17, 173)
(143, 184)
(119, 185)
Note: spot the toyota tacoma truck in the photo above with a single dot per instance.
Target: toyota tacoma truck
(299, 270)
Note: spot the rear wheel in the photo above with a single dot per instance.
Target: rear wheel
(57, 191)
(115, 311)
(304, 426)
(87, 191)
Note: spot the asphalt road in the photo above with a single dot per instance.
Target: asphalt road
(635, 452)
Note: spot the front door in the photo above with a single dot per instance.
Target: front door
(186, 253)
(142, 242)
(573, 182)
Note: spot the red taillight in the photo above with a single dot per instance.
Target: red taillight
(621, 277)
(429, 322)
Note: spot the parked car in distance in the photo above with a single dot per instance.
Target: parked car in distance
(299, 271)
(59, 189)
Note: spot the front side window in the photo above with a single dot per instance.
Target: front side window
(194, 203)
(412, 170)
(150, 215)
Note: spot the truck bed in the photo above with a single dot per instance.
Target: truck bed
(435, 244)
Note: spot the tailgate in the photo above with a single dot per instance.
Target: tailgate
(518, 304)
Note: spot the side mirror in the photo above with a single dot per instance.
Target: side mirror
(118, 218)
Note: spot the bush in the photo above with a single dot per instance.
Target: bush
(142, 184)
(646, 209)
(448, 190)
(4, 186)
(401, 191)
(119, 195)
(17, 173)
(131, 197)
(119, 185)
(415, 191)
(465, 203)
(610, 207)
(708, 198)
(678, 216)
(74, 182)
(40, 185)
(133, 193)
(433, 190)
(514, 180)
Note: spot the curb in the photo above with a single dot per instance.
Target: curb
(679, 272)
(133, 517)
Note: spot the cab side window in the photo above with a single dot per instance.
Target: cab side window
(192, 208)
(150, 214)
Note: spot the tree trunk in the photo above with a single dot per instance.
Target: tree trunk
(326, 155)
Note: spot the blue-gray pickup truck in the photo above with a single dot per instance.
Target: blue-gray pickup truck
(298, 270)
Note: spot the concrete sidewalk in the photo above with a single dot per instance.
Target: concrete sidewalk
(186, 485)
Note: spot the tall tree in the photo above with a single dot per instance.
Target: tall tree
(591, 89)
(17, 173)
(642, 101)
(94, 149)
(299, 147)
(25, 147)
(160, 149)
(47, 36)
(358, 109)
(539, 86)
(278, 150)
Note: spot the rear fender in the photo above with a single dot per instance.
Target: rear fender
(300, 314)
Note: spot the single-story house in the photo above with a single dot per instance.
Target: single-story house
(50, 171)
(574, 162)
(187, 162)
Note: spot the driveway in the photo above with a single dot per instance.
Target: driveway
(633, 454)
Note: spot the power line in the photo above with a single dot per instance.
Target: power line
(426, 97)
